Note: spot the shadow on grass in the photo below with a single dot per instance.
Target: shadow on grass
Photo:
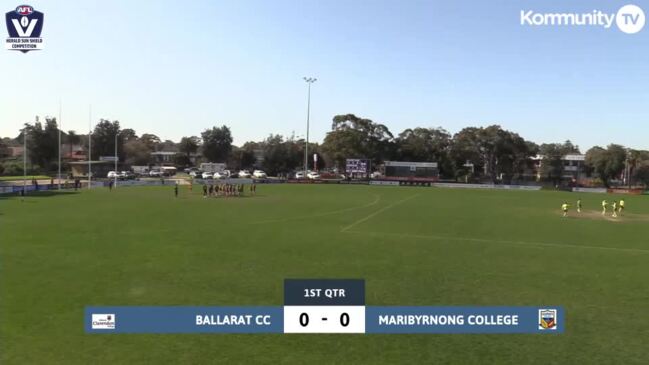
(38, 194)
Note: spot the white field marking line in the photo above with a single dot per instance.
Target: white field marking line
(378, 212)
(376, 200)
(484, 240)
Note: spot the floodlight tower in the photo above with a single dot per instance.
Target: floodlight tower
(309, 81)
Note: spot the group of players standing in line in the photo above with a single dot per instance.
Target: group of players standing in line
(226, 190)
(618, 207)
(223, 190)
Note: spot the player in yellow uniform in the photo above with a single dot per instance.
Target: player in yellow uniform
(578, 205)
(604, 206)
(614, 209)
(564, 207)
(621, 207)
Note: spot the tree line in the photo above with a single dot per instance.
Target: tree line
(474, 153)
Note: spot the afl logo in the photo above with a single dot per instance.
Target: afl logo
(24, 25)
(24, 10)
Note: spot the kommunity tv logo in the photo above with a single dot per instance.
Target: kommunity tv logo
(629, 19)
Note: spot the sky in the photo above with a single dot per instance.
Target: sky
(175, 68)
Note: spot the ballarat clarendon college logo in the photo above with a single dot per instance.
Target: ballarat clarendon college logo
(24, 26)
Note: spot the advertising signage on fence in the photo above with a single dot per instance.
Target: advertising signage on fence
(626, 191)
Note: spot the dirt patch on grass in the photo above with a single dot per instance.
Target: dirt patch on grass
(597, 215)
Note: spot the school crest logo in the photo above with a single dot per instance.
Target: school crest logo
(24, 25)
(547, 319)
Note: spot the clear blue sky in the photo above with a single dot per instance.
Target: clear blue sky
(175, 68)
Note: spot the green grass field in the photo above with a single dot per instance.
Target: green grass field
(413, 246)
(20, 178)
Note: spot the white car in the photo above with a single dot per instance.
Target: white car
(112, 175)
(155, 173)
(244, 174)
(222, 174)
(376, 175)
(259, 174)
(194, 174)
(299, 175)
(313, 175)
(207, 175)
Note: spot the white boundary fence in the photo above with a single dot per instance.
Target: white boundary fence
(486, 186)
(590, 190)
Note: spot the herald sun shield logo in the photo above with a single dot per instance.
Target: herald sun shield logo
(24, 25)
(547, 319)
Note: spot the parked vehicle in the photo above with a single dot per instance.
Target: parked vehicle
(299, 175)
(155, 173)
(212, 167)
(126, 175)
(195, 174)
(222, 174)
(312, 175)
(244, 174)
(259, 174)
(112, 174)
(207, 175)
(168, 170)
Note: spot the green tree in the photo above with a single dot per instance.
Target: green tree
(607, 163)
(151, 141)
(496, 152)
(168, 146)
(189, 145)
(217, 143)
(277, 155)
(466, 147)
(72, 139)
(641, 173)
(137, 152)
(42, 143)
(4, 149)
(128, 134)
(103, 140)
(426, 145)
(354, 137)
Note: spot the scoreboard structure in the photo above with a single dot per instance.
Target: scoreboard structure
(358, 168)
(313, 306)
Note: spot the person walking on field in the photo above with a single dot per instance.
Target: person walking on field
(621, 206)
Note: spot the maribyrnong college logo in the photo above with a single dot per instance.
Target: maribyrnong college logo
(24, 25)
(547, 319)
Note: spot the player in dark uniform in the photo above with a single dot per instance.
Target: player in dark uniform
(204, 191)
(176, 190)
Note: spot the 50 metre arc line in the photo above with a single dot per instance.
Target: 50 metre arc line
(376, 200)
(378, 212)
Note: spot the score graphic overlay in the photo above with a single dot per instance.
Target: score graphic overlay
(324, 306)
